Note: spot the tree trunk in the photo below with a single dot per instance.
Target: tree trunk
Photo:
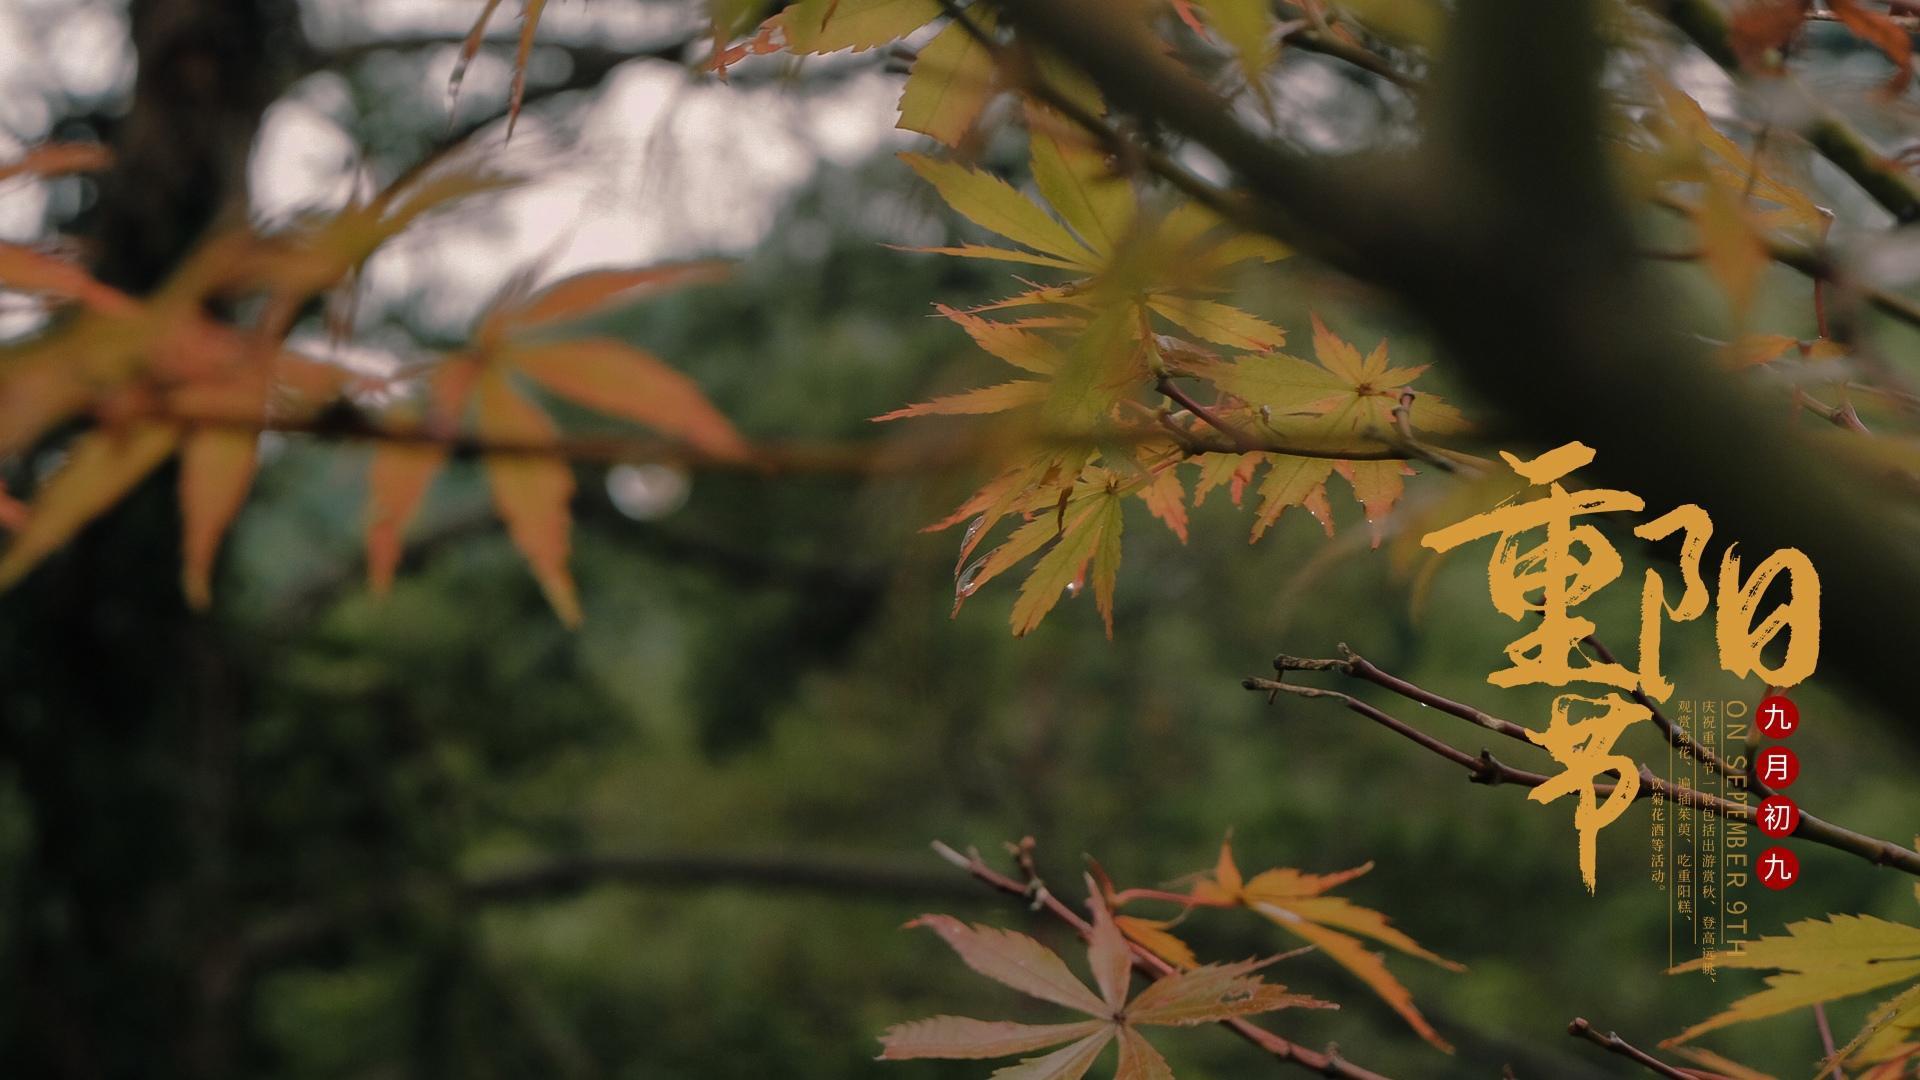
(119, 709)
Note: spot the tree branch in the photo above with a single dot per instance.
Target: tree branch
(1680, 740)
(1509, 207)
(301, 930)
(1486, 769)
(923, 453)
(1329, 1063)
(1705, 24)
(1612, 1043)
(1312, 40)
(1241, 440)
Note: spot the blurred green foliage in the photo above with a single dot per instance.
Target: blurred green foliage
(771, 671)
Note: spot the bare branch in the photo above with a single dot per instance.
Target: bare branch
(1680, 740)
(1484, 768)
(1612, 1043)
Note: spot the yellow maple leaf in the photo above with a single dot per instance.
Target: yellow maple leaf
(1341, 397)
(1817, 961)
(1297, 902)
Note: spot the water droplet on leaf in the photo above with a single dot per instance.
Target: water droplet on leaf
(966, 542)
(968, 580)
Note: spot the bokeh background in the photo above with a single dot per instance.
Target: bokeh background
(313, 834)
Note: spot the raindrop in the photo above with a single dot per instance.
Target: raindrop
(1074, 587)
(966, 542)
(968, 581)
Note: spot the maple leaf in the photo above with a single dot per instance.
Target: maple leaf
(1247, 26)
(318, 253)
(1880, 31)
(1725, 1068)
(217, 464)
(1297, 902)
(1343, 398)
(986, 399)
(532, 490)
(1099, 231)
(590, 292)
(996, 206)
(824, 26)
(951, 83)
(1198, 995)
(1083, 528)
(163, 377)
(1232, 471)
(1075, 178)
(1098, 345)
(1818, 961)
(1730, 245)
(1733, 201)
(1089, 533)
(221, 412)
(1156, 936)
(397, 481)
(1166, 497)
(1692, 150)
(220, 385)
(99, 468)
(1128, 274)
(530, 12)
(1760, 26)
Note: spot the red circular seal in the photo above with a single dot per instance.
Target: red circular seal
(1777, 716)
(1776, 766)
(1777, 816)
(1777, 868)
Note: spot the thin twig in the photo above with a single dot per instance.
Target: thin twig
(1612, 1043)
(1314, 40)
(1705, 23)
(1240, 439)
(889, 457)
(1486, 769)
(1826, 1039)
(1406, 440)
(1681, 741)
(1328, 1063)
